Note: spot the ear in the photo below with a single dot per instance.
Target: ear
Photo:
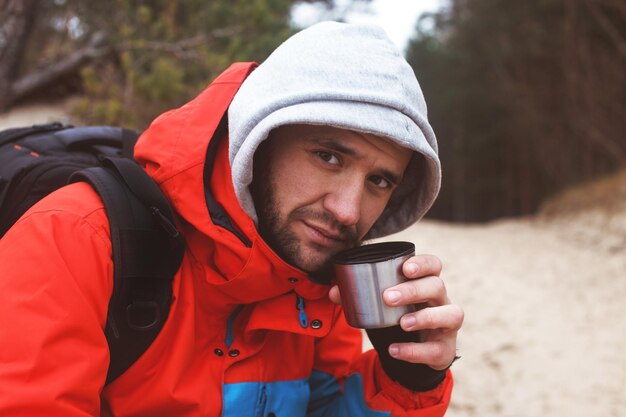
(261, 172)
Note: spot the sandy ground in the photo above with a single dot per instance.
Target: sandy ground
(545, 305)
(35, 114)
(545, 316)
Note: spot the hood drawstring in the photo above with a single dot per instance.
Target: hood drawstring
(230, 338)
(302, 317)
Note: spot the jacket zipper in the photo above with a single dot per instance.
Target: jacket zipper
(262, 404)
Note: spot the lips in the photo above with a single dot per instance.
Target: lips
(323, 236)
(326, 232)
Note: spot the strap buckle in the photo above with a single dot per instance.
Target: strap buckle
(143, 315)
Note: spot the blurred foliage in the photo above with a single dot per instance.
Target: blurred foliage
(166, 51)
(526, 98)
(159, 53)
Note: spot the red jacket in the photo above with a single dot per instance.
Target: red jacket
(233, 344)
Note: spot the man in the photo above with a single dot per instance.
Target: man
(327, 144)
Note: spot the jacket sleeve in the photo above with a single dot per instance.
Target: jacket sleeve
(346, 382)
(55, 281)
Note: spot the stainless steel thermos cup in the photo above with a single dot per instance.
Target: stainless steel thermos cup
(363, 274)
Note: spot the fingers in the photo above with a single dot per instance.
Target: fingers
(413, 292)
(439, 322)
(437, 354)
(446, 317)
(430, 289)
(439, 327)
(422, 266)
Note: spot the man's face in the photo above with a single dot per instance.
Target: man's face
(318, 189)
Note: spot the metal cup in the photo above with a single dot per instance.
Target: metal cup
(363, 274)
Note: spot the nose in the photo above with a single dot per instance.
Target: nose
(344, 201)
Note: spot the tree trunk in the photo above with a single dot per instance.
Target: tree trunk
(16, 23)
(28, 84)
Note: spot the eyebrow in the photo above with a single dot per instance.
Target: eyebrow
(341, 148)
(337, 146)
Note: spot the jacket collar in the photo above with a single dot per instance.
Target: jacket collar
(186, 152)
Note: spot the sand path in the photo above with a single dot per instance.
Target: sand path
(545, 318)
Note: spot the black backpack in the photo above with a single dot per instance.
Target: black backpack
(147, 247)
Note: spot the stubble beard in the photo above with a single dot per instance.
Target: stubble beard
(276, 232)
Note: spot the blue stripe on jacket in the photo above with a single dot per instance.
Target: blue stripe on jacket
(319, 395)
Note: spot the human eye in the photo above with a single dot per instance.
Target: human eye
(328, 157)
(380, 182)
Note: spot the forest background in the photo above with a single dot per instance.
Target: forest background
(528, 100)
(527, 97)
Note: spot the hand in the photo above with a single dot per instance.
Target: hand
(438, 323)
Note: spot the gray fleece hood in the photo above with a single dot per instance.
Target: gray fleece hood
(347, 76)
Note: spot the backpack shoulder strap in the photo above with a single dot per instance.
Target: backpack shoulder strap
(147, 252)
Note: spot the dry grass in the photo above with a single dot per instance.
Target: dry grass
(591, 214)
(607, 194)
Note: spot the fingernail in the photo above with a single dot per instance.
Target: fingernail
(408, 322)
(393, 350)
(412, 268)
(393, 296)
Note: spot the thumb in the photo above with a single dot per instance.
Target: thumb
(334, 296)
